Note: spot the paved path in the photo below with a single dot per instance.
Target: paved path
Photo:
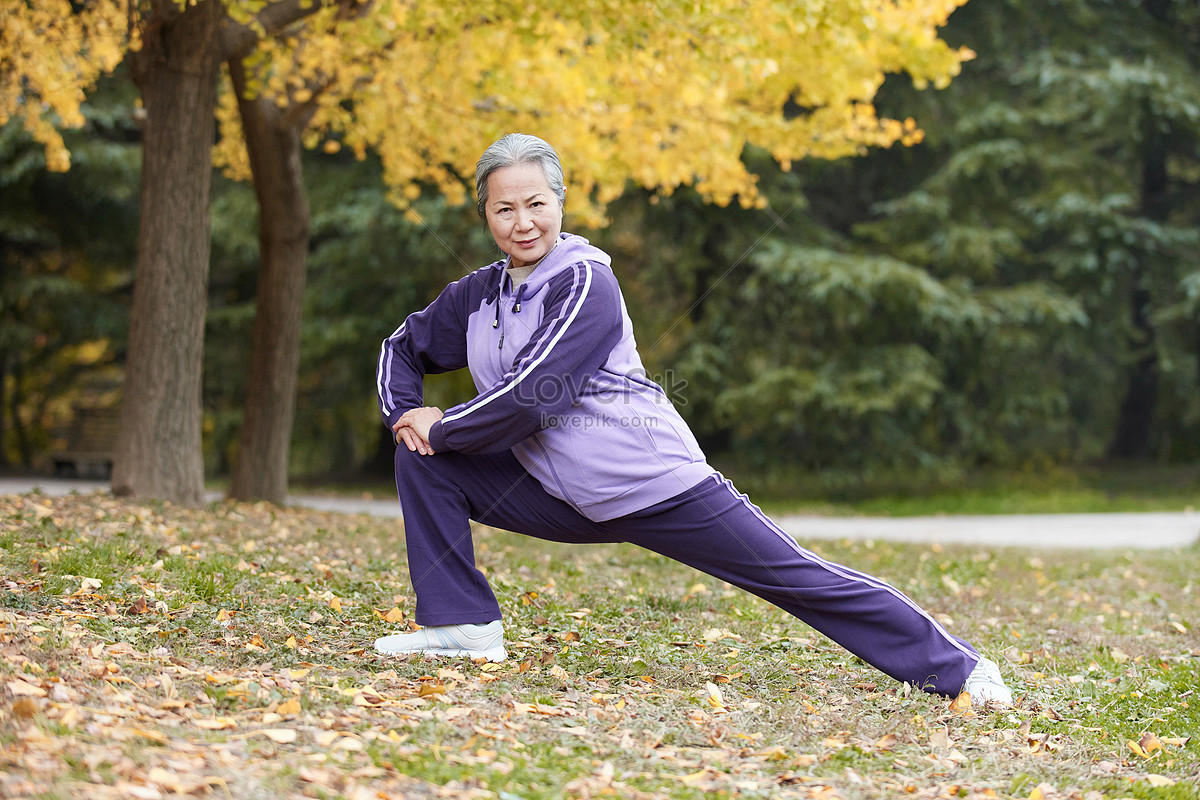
(1085, 531)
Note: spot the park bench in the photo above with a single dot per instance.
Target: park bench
(90, 440)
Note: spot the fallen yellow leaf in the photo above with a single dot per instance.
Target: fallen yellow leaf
(289, 707)
(395, 615)
(716, 634)
(154, 736)
(72, 717)
(166, 779)
(335, 603)
(887, 742)
(693, 778)
(326, 738)
(1159, 780)
(369, 698)
(290, 643)
(715, 698)
(774, 754)
(314, 775)
(40, 510)
(19, 688)
(24, 707)
(214, 723)
(279, 735)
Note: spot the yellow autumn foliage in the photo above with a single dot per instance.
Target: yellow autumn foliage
(665, 94)
(49, 56)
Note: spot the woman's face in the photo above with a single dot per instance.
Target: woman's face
(523, 213)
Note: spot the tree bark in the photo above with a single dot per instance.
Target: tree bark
(3, 408)
(16, 401)
(1136, 417)
(158, 452)
(1135, 423)
(273, 142)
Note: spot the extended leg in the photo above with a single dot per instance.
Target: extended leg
(715, 529)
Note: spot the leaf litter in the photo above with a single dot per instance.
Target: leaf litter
(148, 651)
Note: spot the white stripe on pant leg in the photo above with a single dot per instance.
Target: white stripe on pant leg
(842, 571)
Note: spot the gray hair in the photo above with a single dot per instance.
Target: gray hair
(511, 150)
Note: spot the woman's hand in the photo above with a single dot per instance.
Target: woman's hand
(412, 429)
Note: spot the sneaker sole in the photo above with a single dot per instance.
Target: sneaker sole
(494, 656)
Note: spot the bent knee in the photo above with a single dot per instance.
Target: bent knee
(412, 467)
(407, 460)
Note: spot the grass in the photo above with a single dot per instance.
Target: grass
(226, 651)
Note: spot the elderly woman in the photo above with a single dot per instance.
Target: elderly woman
(568, 441)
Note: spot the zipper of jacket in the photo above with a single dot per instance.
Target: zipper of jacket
(516, 310)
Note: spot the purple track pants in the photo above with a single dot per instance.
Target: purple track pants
(711, 527)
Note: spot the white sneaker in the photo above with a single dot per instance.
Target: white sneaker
(986, 686)
(473, 641)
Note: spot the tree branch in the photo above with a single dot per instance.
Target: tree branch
(237, 40)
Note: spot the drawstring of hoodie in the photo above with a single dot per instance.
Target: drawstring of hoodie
(520, 293)
(516, 310)
(496, 321)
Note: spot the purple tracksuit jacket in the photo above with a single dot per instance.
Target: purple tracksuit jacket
(559, 378)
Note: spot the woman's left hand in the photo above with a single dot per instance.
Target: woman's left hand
(413, 428)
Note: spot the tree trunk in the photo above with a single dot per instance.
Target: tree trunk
(1135, 422)
(3, 408)
(1136, 416)
(273, 141)
(24, 446)
(158, 452)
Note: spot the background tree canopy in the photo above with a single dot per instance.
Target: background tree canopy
(658, 95)
(1022, 287)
